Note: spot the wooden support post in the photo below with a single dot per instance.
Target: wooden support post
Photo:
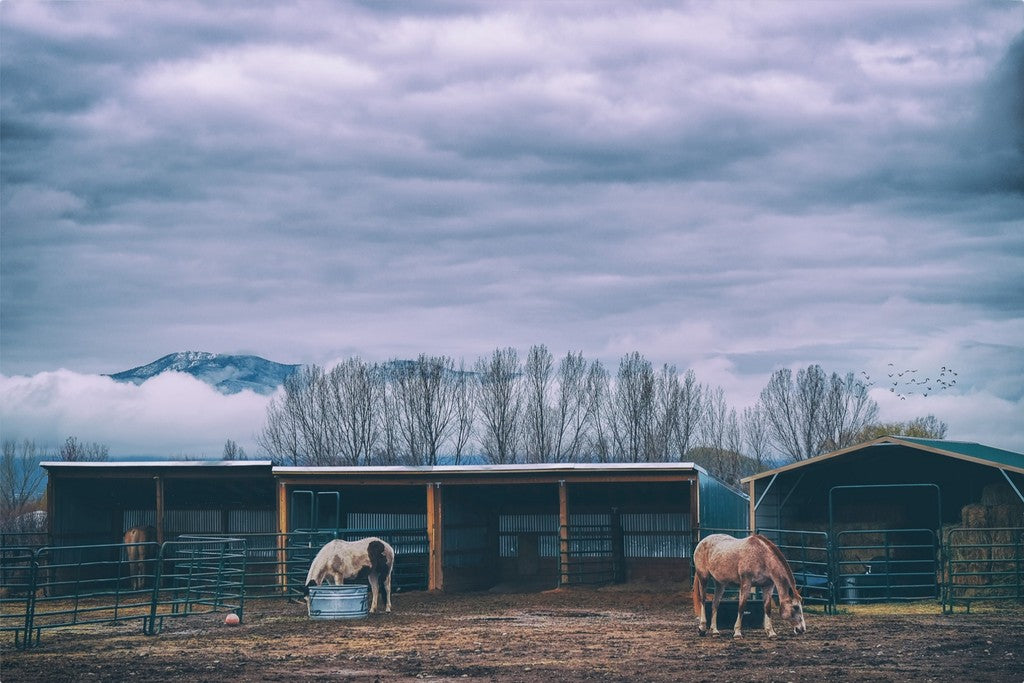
(159, 509)
(282, 536)
(753, 507)
(563, 533)
(435, 538)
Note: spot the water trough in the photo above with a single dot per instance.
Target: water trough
(351, 601)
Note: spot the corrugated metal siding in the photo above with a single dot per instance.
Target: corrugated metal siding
(653, 534)
(252, 522)
(192, 522)
(386, 521)
(139, 518)
(545, 527)
(722, 507)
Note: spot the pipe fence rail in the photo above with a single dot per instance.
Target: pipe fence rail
(53, 587)
(982, 565)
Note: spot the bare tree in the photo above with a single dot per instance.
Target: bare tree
(539, 434)
(575, 409)
(816, 412)
(325, 418)
(389, 448)
(74, 451)
(848, 409)
(356, 393)
(297, 430)
(466, 392)
(667, 393)
(690, 410)
(232, 451)
(500, 405)
(755, 435)
(427, 406)
(601, 408)
(21, 484)
(633, 418)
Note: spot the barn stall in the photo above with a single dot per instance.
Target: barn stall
(528, 526)
(453, 527)
(886, 519)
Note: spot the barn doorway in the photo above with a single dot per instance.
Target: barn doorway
(886, 539)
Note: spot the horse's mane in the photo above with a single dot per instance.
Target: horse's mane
(774, 549)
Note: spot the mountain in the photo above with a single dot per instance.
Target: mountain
(228, 374)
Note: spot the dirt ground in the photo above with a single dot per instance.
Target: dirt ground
(631, 634)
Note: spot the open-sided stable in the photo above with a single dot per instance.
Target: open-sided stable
(453, 527)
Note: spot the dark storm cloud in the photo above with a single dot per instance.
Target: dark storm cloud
(730, 188)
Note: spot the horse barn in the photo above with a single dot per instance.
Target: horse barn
(898, 518)
(453, 527)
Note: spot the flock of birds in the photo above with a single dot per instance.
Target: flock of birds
(912, 384)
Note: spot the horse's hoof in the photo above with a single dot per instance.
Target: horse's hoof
(737, 634)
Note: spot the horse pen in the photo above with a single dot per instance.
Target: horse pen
(629, 632)
(523, 573)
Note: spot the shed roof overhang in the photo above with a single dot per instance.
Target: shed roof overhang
(164, 468)
(961, 450)
(494, 474)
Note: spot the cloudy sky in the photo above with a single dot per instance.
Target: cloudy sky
(727, 187)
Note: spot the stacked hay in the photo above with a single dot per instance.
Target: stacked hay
(985, 549)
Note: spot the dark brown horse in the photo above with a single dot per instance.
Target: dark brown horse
(140, 547)
(747, 562)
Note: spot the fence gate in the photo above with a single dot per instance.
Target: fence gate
(878, 565)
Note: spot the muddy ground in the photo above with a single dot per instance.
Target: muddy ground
(563, 635)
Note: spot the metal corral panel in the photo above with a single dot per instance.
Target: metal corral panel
(722, 507)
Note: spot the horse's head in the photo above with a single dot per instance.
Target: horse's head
(305, 590)
(793, 612)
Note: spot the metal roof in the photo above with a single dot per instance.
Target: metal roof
(500, 469)
(961, 450)
(127, 464)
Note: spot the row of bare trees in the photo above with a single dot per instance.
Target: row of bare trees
(22, 480)
(508, 409)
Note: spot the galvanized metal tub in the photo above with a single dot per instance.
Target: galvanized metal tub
(339, 602)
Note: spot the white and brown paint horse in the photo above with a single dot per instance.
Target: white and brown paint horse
(140, 547)
(747, 562)
(340, 560)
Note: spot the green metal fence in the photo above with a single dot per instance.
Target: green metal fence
(17, 586)
(982, 565)
(198, 575)
(885, 565)
(63, 586)
(592, 557)
(809, 554)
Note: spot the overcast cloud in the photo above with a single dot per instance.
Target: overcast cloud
(729, 187)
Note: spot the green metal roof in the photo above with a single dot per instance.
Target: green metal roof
(996, 456)
(963, 450)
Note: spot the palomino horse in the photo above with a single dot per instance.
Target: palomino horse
(752, 561)
(140, 552)
(340, 560)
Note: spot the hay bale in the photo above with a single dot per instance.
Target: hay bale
(974, 516)
(1005, 516)
(999, 493)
